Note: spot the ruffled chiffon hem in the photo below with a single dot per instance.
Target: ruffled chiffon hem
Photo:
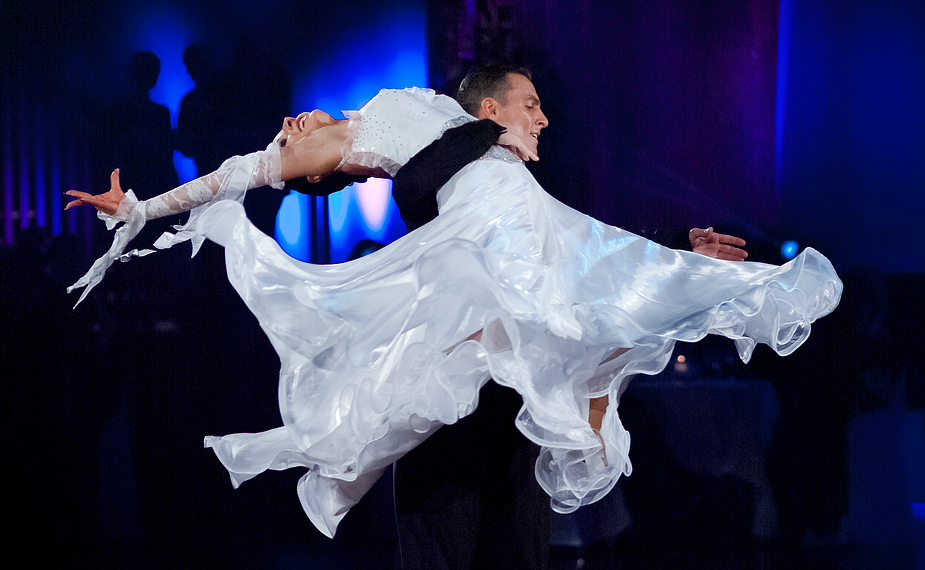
(374, 352)
(367, 371)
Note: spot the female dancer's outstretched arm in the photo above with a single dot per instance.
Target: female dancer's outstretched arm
(310, 146)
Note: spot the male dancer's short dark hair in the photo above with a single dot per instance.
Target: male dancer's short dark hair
(486, 81)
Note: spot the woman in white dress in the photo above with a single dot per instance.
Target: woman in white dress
(506, 284)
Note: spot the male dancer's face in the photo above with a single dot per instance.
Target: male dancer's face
(521, 113)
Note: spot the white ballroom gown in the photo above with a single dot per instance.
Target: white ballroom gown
(371, 351)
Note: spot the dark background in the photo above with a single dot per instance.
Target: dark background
(799, 120)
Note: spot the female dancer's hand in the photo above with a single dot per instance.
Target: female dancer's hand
(515, 144)
(107, 203)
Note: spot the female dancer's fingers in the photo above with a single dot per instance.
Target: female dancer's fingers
(107, 202)
(73, 204)
(114, 181)
(80, 201)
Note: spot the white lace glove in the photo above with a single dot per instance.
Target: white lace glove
(231, 181)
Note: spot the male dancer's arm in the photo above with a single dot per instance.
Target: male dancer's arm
(417, 182)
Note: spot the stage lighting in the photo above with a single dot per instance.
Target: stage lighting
(291, 233)
(789, 249)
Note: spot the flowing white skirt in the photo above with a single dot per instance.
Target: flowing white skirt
(367, 371)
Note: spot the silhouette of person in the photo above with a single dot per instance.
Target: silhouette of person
(195, 121)
(249, 98)
(136, 136)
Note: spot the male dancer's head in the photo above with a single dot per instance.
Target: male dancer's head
(504, 94)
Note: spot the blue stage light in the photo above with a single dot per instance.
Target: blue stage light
(388, 53)
(291, 232)
(166, 31)
(918, 510)
(789, 249)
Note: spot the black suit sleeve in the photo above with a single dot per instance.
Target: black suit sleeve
(416, 183)
(675, 238)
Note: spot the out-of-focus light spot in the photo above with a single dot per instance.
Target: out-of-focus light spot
(789, 249)
(291, 233)
(40, 206)
(373, 196)
(56, 190)
(338, 206)
(784, 34)
(186, 167)
(681, 366)
(918, 510)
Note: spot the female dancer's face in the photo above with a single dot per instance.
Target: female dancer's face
(521, 114)
(295, 129)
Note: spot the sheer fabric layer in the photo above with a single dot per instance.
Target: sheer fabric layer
(366, 370)
(230, 182)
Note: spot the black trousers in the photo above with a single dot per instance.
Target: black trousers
(467, 497)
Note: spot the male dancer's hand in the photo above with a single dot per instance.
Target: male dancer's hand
(713, 244)
(107, 203)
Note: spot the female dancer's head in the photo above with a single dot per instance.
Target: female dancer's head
(295, 129)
